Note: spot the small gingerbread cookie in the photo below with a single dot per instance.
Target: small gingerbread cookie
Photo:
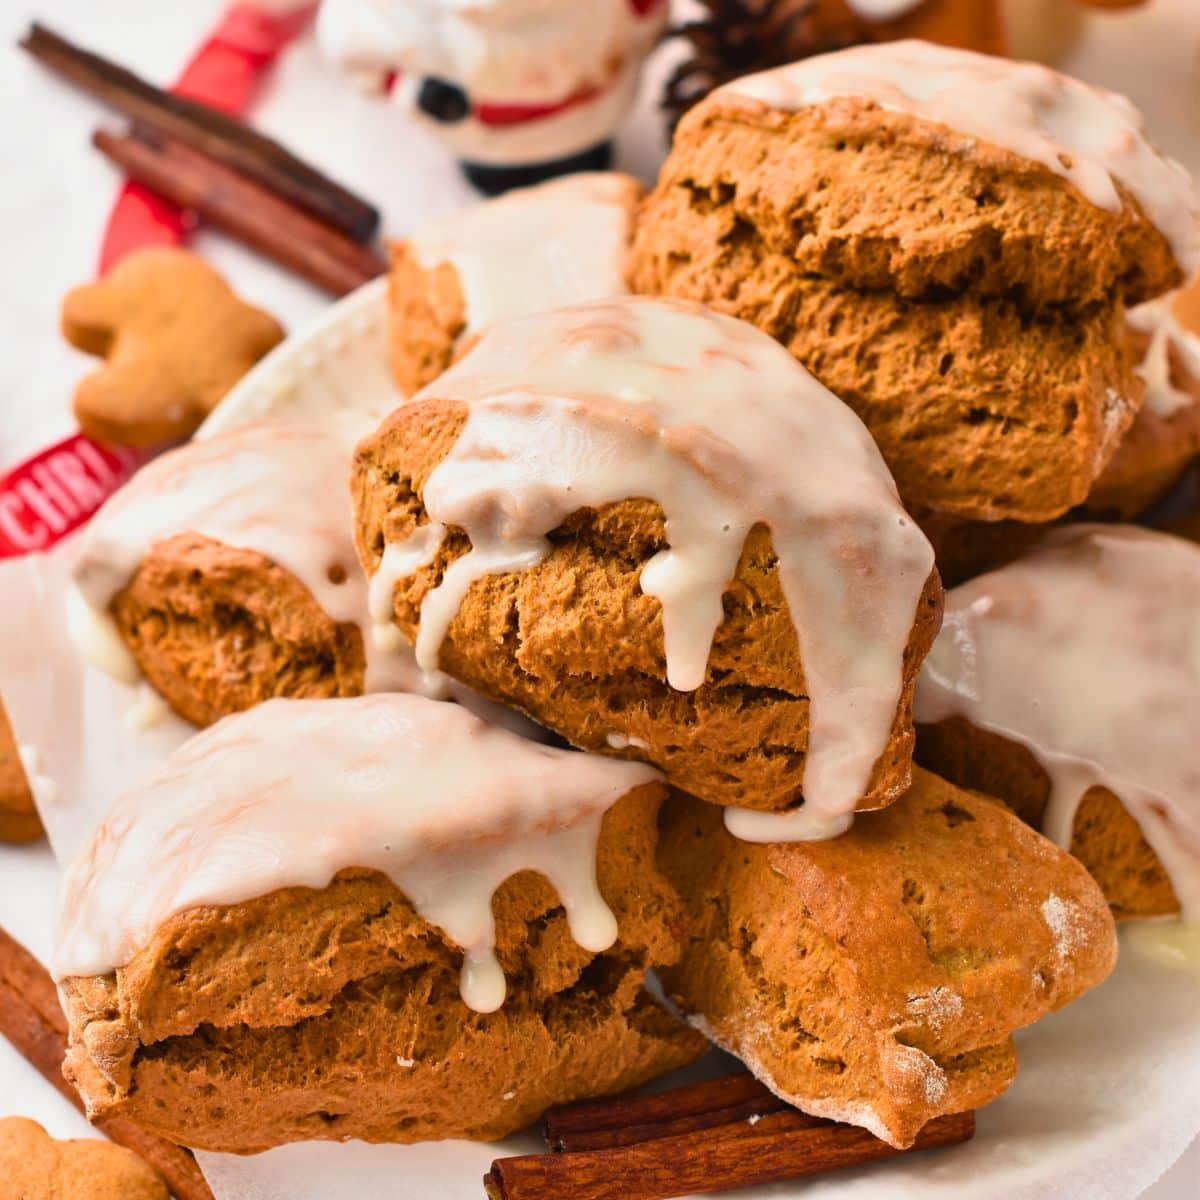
(35, 1166)
(176, 338)
(18, 816)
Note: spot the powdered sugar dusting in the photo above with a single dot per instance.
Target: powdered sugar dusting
(1066, 924)
(910, 1062)
(935, 1007)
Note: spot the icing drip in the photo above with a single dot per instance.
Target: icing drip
(1088, 654)
(560, 243)
(1170, 343)
(1085, 134)
(720, 426)
(279, 490)
(292, 792)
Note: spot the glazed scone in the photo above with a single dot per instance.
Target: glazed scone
(19, 821)
(1067, 685)
(877, 978)
(288, 934)
(224, 573)
(695, 510)
(927, 251)
(35, 1166)
(562, 242)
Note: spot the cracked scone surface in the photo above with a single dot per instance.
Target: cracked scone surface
(575, 644)
(1105, 837)
(876, 978)
(335, 1013)
(924, 278)
(217, 629)
(35, 1166)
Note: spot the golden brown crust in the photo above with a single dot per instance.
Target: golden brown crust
(427, 312)
(575, 644)
(217, 630)
(971, 313)
(336, 1013)
(1106, 838)
(19, 821)
(876, 977)
(1150, 460)
(947, 214)
(35, 1166)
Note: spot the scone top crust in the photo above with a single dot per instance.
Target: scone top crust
(717, 426)
(257, 500)
(293, 792)
(1085, 653)
(1089, 137)
(559, 243)
(875, 978)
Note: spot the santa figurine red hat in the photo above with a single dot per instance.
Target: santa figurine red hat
(519, 90)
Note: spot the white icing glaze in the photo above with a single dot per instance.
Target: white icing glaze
(1089, 136)
(501, 53)
(1087, 652)
(562, 242)
(716, 422)
(1168, 340)
(882, 10)
(280, 490)
(292, 792)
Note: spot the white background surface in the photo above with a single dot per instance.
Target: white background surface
(56, 198)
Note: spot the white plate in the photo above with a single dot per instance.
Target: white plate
(1109, 1090)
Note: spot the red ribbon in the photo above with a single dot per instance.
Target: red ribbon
(47, 497)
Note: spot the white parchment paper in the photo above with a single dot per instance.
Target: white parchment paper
(1109, 1090)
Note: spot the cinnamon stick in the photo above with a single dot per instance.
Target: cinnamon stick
(242, 208)
(218, 136)
(782, 1145)
(32, 1019)
(603, 1124)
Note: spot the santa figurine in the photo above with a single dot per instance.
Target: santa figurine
(519, 90)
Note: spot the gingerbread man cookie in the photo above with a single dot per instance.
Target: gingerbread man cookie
(35, 1166)
(18, 817)
(175, 338)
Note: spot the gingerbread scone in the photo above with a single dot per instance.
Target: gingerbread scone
(877, 978)
(563, 242)
(19, 821)
(375, 918)
(225, 574)
(948, 242)
(644, 525)
(1160, 445)
(35, 1166)
(175, 338)
(1067, 684)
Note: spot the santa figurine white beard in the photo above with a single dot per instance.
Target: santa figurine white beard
(519, 90)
